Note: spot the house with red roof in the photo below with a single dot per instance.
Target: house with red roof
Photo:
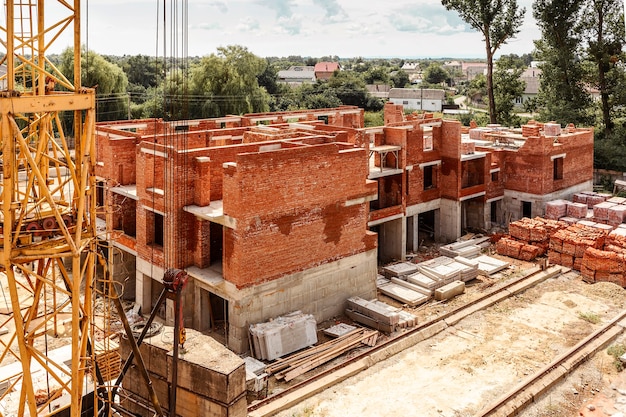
(325, 70)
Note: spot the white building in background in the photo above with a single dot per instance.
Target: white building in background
(427, 99)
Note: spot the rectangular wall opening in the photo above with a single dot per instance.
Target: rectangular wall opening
(527, 209)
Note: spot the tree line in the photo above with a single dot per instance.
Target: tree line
(579, 53)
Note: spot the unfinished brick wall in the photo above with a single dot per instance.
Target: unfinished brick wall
(450, 162)
(530, 169)
(393, 113)
(294, 209)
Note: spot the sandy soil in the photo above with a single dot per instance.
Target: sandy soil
(462, 369)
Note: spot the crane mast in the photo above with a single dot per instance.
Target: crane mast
(47, 258)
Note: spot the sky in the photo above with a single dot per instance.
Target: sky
(315, 28)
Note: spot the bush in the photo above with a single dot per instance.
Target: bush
(616, 351)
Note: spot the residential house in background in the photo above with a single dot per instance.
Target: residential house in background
(325, 70)
(532, 77)
(427, 99)
(297, 75)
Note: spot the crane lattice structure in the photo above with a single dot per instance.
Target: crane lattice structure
(48, 231)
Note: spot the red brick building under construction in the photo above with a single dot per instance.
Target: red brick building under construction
(271, 213)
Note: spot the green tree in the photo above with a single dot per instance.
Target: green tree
(400, 79)
(477, 89)
(498, 21)
(377, 75)
(436, 74)
(562, 96)
(602, 25)
(226, 83)
(142, 70)
(507, 86)
(109, 80)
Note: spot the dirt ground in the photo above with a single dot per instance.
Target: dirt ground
(459, 371)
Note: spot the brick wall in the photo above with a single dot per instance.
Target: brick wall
(291, 213)
(530, 168)
(450, 162)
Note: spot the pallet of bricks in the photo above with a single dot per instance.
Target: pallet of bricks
(609, 264)
(528, 238)
(568, 246)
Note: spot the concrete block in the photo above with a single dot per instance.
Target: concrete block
(450, 290)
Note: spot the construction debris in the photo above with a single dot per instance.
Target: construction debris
(283, 335)
(301, 362)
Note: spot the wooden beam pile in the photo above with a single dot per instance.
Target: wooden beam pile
(568, 246)
(299, 363)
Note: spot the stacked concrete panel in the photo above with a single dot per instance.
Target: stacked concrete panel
(372, 314)
(211, 379)
(567, 246)
(283, 335)
(400, 269)
(400, 290)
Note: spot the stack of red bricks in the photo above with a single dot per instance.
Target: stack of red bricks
(556, 209)
(616, 241)
(603, 266)
(528, 238)
(567, 246)
(589, 198)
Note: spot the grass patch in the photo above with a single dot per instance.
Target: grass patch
(616, 351)
(589, 317)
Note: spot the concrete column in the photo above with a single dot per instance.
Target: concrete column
(450, 220)
(143, 292)
(412, 233)
(393, 241)
(437, 223)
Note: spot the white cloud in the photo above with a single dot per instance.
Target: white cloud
(248, 24)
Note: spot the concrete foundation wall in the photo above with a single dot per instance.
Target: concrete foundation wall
(512, 202)
(320, 291)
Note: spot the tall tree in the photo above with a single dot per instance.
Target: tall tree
(562, 95)
(436, 74)
(602, 25)
(507, 88)
(227, 83)
(108, 78)
(498, 21)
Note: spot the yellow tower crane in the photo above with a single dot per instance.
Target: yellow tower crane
(47, 258)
